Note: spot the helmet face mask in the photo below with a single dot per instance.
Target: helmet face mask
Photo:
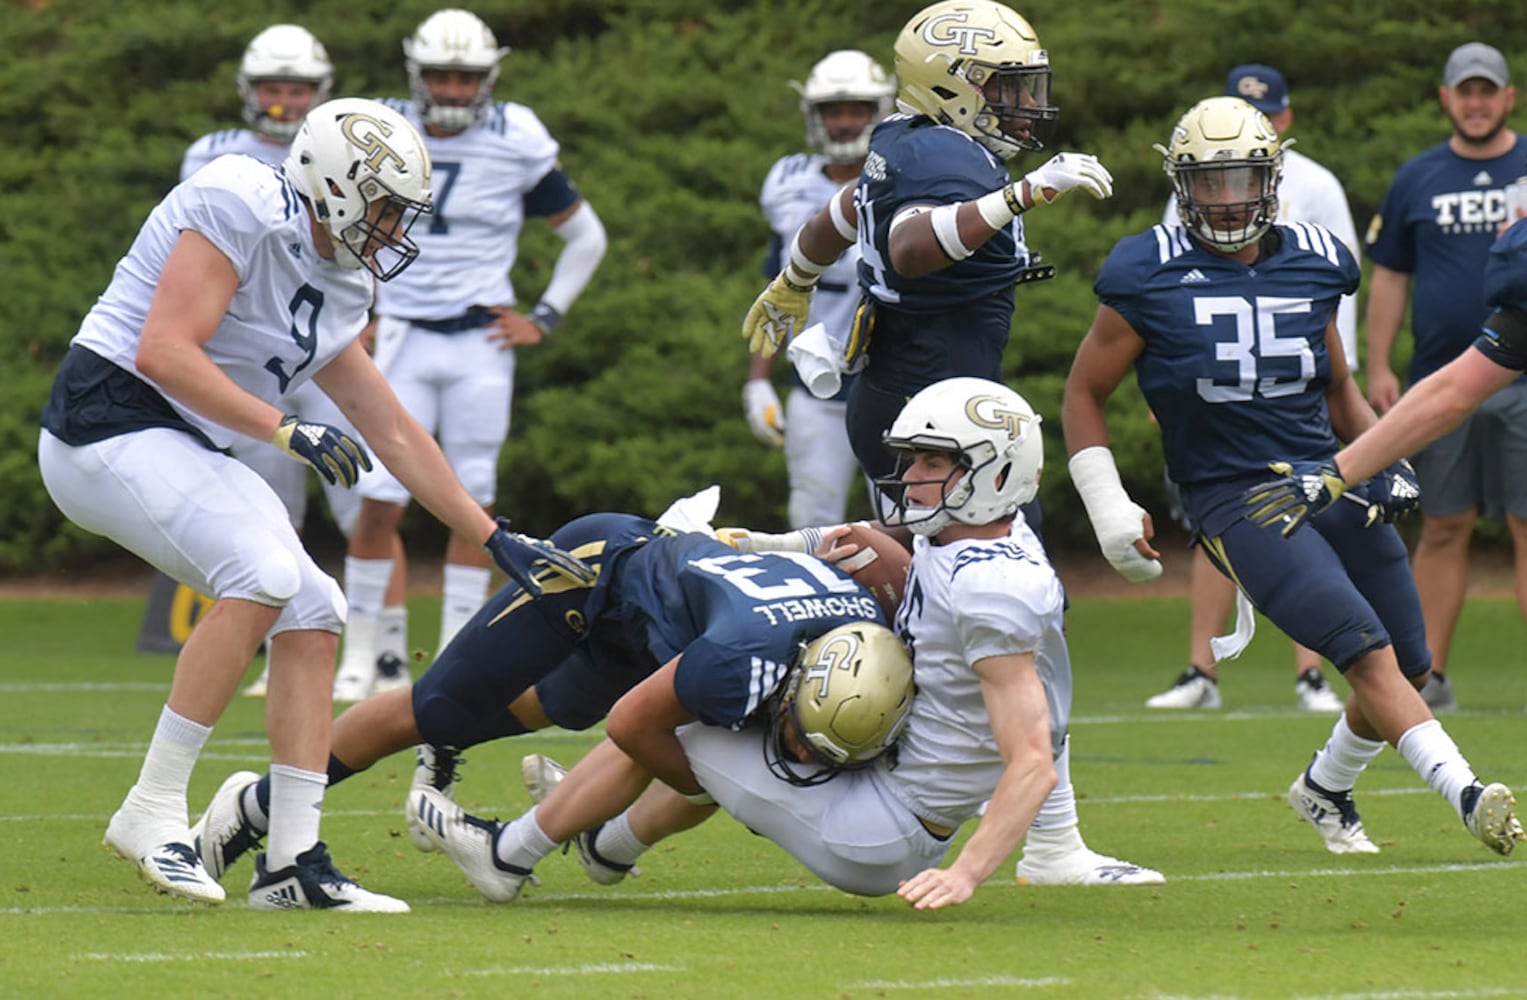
(992, 439)
(288, 53)
(978, 66)
(366, 172)
(452, 40)
(1225, 160)
(843, 703)
(846, 76)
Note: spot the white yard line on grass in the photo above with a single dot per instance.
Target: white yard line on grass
(190, 956)
(573, 970)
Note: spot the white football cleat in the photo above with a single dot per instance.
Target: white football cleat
(170, 866)
(434, 767)
(1315, 695)
(313, 883)
(1084, 867)
(260, 684)
(391, 674)
(1492, 819)
(468, 842)
(1192, 689)
(1332, 814)
(541, 774)
(353, 682)
(224, 833)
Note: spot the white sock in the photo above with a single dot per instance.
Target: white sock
(392, 632)
(466, 588)
(1059, 809)
(167, 766)
(523, 842)
(1431, 751)
(365, 590)
(1343, 758)
(616, 843)
(296, 806)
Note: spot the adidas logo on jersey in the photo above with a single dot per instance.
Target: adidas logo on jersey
(296, 249)
(1483, 179)
(1194, 277)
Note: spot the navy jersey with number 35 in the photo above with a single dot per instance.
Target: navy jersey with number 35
(1235, 365)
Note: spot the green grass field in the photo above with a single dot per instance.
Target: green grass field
(1253, 906)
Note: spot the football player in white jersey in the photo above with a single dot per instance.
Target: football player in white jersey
(284, 72)
(244, 283)
(447, 331)
(846, 93)
(984, 618)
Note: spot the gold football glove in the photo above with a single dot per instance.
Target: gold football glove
(778, 314)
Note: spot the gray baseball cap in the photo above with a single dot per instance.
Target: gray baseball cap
(1476, 59)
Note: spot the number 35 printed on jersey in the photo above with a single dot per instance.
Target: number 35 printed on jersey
(1256, 341)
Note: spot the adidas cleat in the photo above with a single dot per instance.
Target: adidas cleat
(1332, 814)
(468, 842)
(313, 883)
(1085, 868)
(434, 767)
(1491, 817)
(224, 833)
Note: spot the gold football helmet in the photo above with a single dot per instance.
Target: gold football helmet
(844, 702)
(977, 66)
(1225, 160)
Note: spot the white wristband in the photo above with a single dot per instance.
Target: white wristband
(848, 230)
(946, 229)
(802, 271)
(994, 209)
(1117, 521)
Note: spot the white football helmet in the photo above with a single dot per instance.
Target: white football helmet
(1225, 161)
(844, 75)
(994, 436)
(452, 39)
(349, 154)
(977, 66)
(847, 694)
(282, 52)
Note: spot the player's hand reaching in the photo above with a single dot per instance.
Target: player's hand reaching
(934, 888)
(765, 416)
(337, 456)
(1302, 490)
(1393, 493)
(1065, 171)
(778, 314)
(521, 555)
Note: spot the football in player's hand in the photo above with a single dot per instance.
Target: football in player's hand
(875, 559)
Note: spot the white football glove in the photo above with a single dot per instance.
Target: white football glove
(1065, 171)
(1117, 521)
(765, 416)
(777, 315)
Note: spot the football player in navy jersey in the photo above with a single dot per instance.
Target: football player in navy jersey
(935, 216)
(1229, 326)
(715, 628)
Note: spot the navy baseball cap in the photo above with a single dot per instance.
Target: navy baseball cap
(1260, 86)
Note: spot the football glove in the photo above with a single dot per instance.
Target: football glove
(1065, 171)
(337, 456)
(1302, 490)
(520, 556)
(765, 416)
(778, 314)
(1393, 493)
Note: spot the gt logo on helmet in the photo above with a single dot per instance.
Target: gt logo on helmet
(370, 142)
(837, 653)
(965, 38)
(990, 411)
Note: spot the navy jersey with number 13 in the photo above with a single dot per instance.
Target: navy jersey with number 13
(1235, 365)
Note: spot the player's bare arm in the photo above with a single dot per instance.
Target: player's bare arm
(642, 724)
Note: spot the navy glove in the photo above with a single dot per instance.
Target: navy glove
(337, 456)
(520, 556)
(1393, 493)
(1302, 490)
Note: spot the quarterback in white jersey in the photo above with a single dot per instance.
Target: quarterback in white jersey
(243, 284)
(447, 330)
(983, 618)
(844, 96)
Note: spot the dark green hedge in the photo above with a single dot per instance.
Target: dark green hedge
(670, 112)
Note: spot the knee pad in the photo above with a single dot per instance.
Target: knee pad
(318, 605)
(480, 477)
